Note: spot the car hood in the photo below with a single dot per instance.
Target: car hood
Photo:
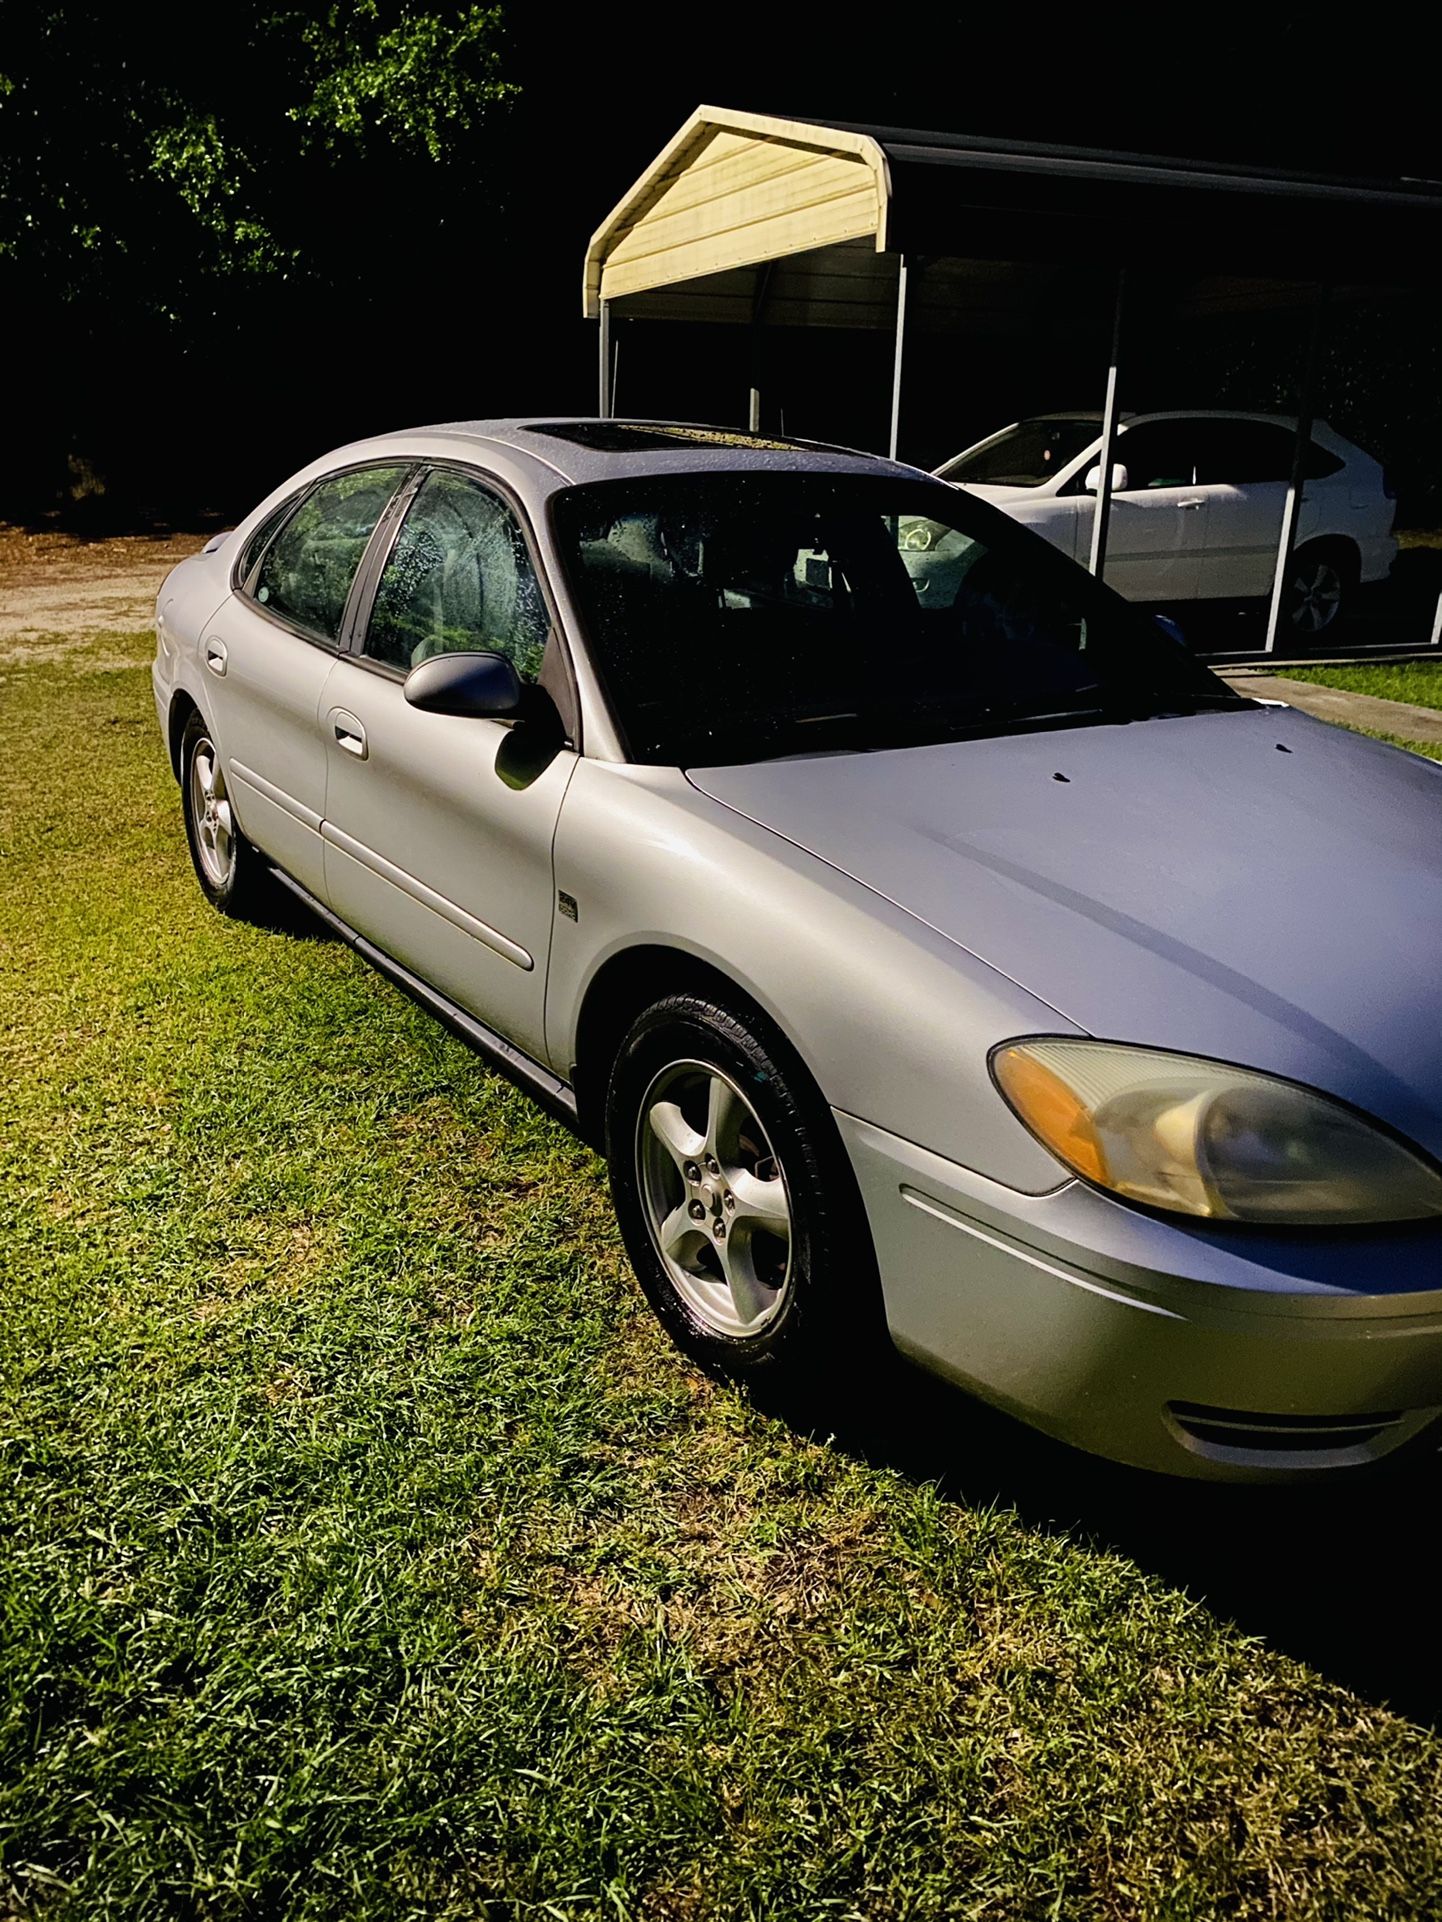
(1253, 886)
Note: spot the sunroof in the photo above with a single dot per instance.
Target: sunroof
(640, 437)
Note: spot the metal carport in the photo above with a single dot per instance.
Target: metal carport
(764, 222)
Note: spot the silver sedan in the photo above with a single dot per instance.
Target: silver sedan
(932, 945)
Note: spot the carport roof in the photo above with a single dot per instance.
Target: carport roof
(741, 208)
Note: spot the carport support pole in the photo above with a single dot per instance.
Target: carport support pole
(605, 396)
(1302, 440)
(758, 319)
(896, 364)
(1101, 519)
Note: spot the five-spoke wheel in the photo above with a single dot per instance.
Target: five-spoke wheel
(233, 875)
(1315, 592)
(210, 811)
(735, 1196)
(715, 1197)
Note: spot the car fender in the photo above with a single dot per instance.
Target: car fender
(893, 1020)
(189, 599)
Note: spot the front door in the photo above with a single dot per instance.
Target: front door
(438, 828)
(270, 649)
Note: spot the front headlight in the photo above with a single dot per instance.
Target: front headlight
(1203, 1138)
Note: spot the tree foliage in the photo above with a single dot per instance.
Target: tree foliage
(146, 156)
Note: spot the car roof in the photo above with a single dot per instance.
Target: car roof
(1133, 419)
(589, 449)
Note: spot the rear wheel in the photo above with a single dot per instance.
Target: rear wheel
(1317, 590)
(233, 876)
(735, 1199)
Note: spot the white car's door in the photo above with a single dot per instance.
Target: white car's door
(269, 650)
(1055, 517)
(1245, 467)
(1157, 532)
(439, 828)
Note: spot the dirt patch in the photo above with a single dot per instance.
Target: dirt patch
(57, 589)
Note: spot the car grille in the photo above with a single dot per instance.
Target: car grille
(1260, 1433)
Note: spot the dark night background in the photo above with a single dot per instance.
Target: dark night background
(152, 375)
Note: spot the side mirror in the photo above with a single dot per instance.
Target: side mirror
(1121, 479)
(1172, 629)
(467, 684)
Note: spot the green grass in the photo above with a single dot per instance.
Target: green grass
(365, 1550)
(1430, 750)
(1419, 682)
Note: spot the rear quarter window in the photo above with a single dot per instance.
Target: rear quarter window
(259, 539)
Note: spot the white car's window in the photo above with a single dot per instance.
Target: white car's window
(739, 615)
(1237, 453)
(459, 580)
(307, 571)
(1160, 453)
(1027, 455)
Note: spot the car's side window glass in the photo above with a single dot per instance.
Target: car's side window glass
(459, 580)
(1159, 454)
(1320, 465)
(1239, 453)
(255, 546)
(307, 571)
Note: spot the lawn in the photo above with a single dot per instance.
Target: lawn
(368, 1552)
(1419, 682)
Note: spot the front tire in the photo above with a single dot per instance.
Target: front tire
(233, 876)
(736, 1201)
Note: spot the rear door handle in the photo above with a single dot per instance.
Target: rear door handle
(349, 733)
(215, 656)
(1197, 501)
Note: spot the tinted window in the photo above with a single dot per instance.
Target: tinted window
(459, 580)
(1242, 451)
(737, 616)
(1160, 453)
(1027, 455)
(1320, 464)
(307, 572)
(1238, 451)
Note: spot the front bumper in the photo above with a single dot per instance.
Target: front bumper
(1194, 1349)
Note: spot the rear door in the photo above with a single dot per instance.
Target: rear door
(438, 828)
(1157, 530)
(1245, 467)
(270, 649)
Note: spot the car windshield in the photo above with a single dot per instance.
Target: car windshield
(738, 616)
(1027, 455)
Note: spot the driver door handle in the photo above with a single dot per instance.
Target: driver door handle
(349, 733)
(1197, 500)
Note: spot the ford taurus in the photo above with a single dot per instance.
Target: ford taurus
(929, 941)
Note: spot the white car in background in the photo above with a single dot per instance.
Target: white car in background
(1196, 505)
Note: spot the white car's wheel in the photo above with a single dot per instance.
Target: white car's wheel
(1316, 591)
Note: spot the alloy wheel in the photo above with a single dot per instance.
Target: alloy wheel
(715, 1199)
(1316, 597)
(210, 811)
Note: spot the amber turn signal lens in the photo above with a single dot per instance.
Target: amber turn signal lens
(1053, 1111)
